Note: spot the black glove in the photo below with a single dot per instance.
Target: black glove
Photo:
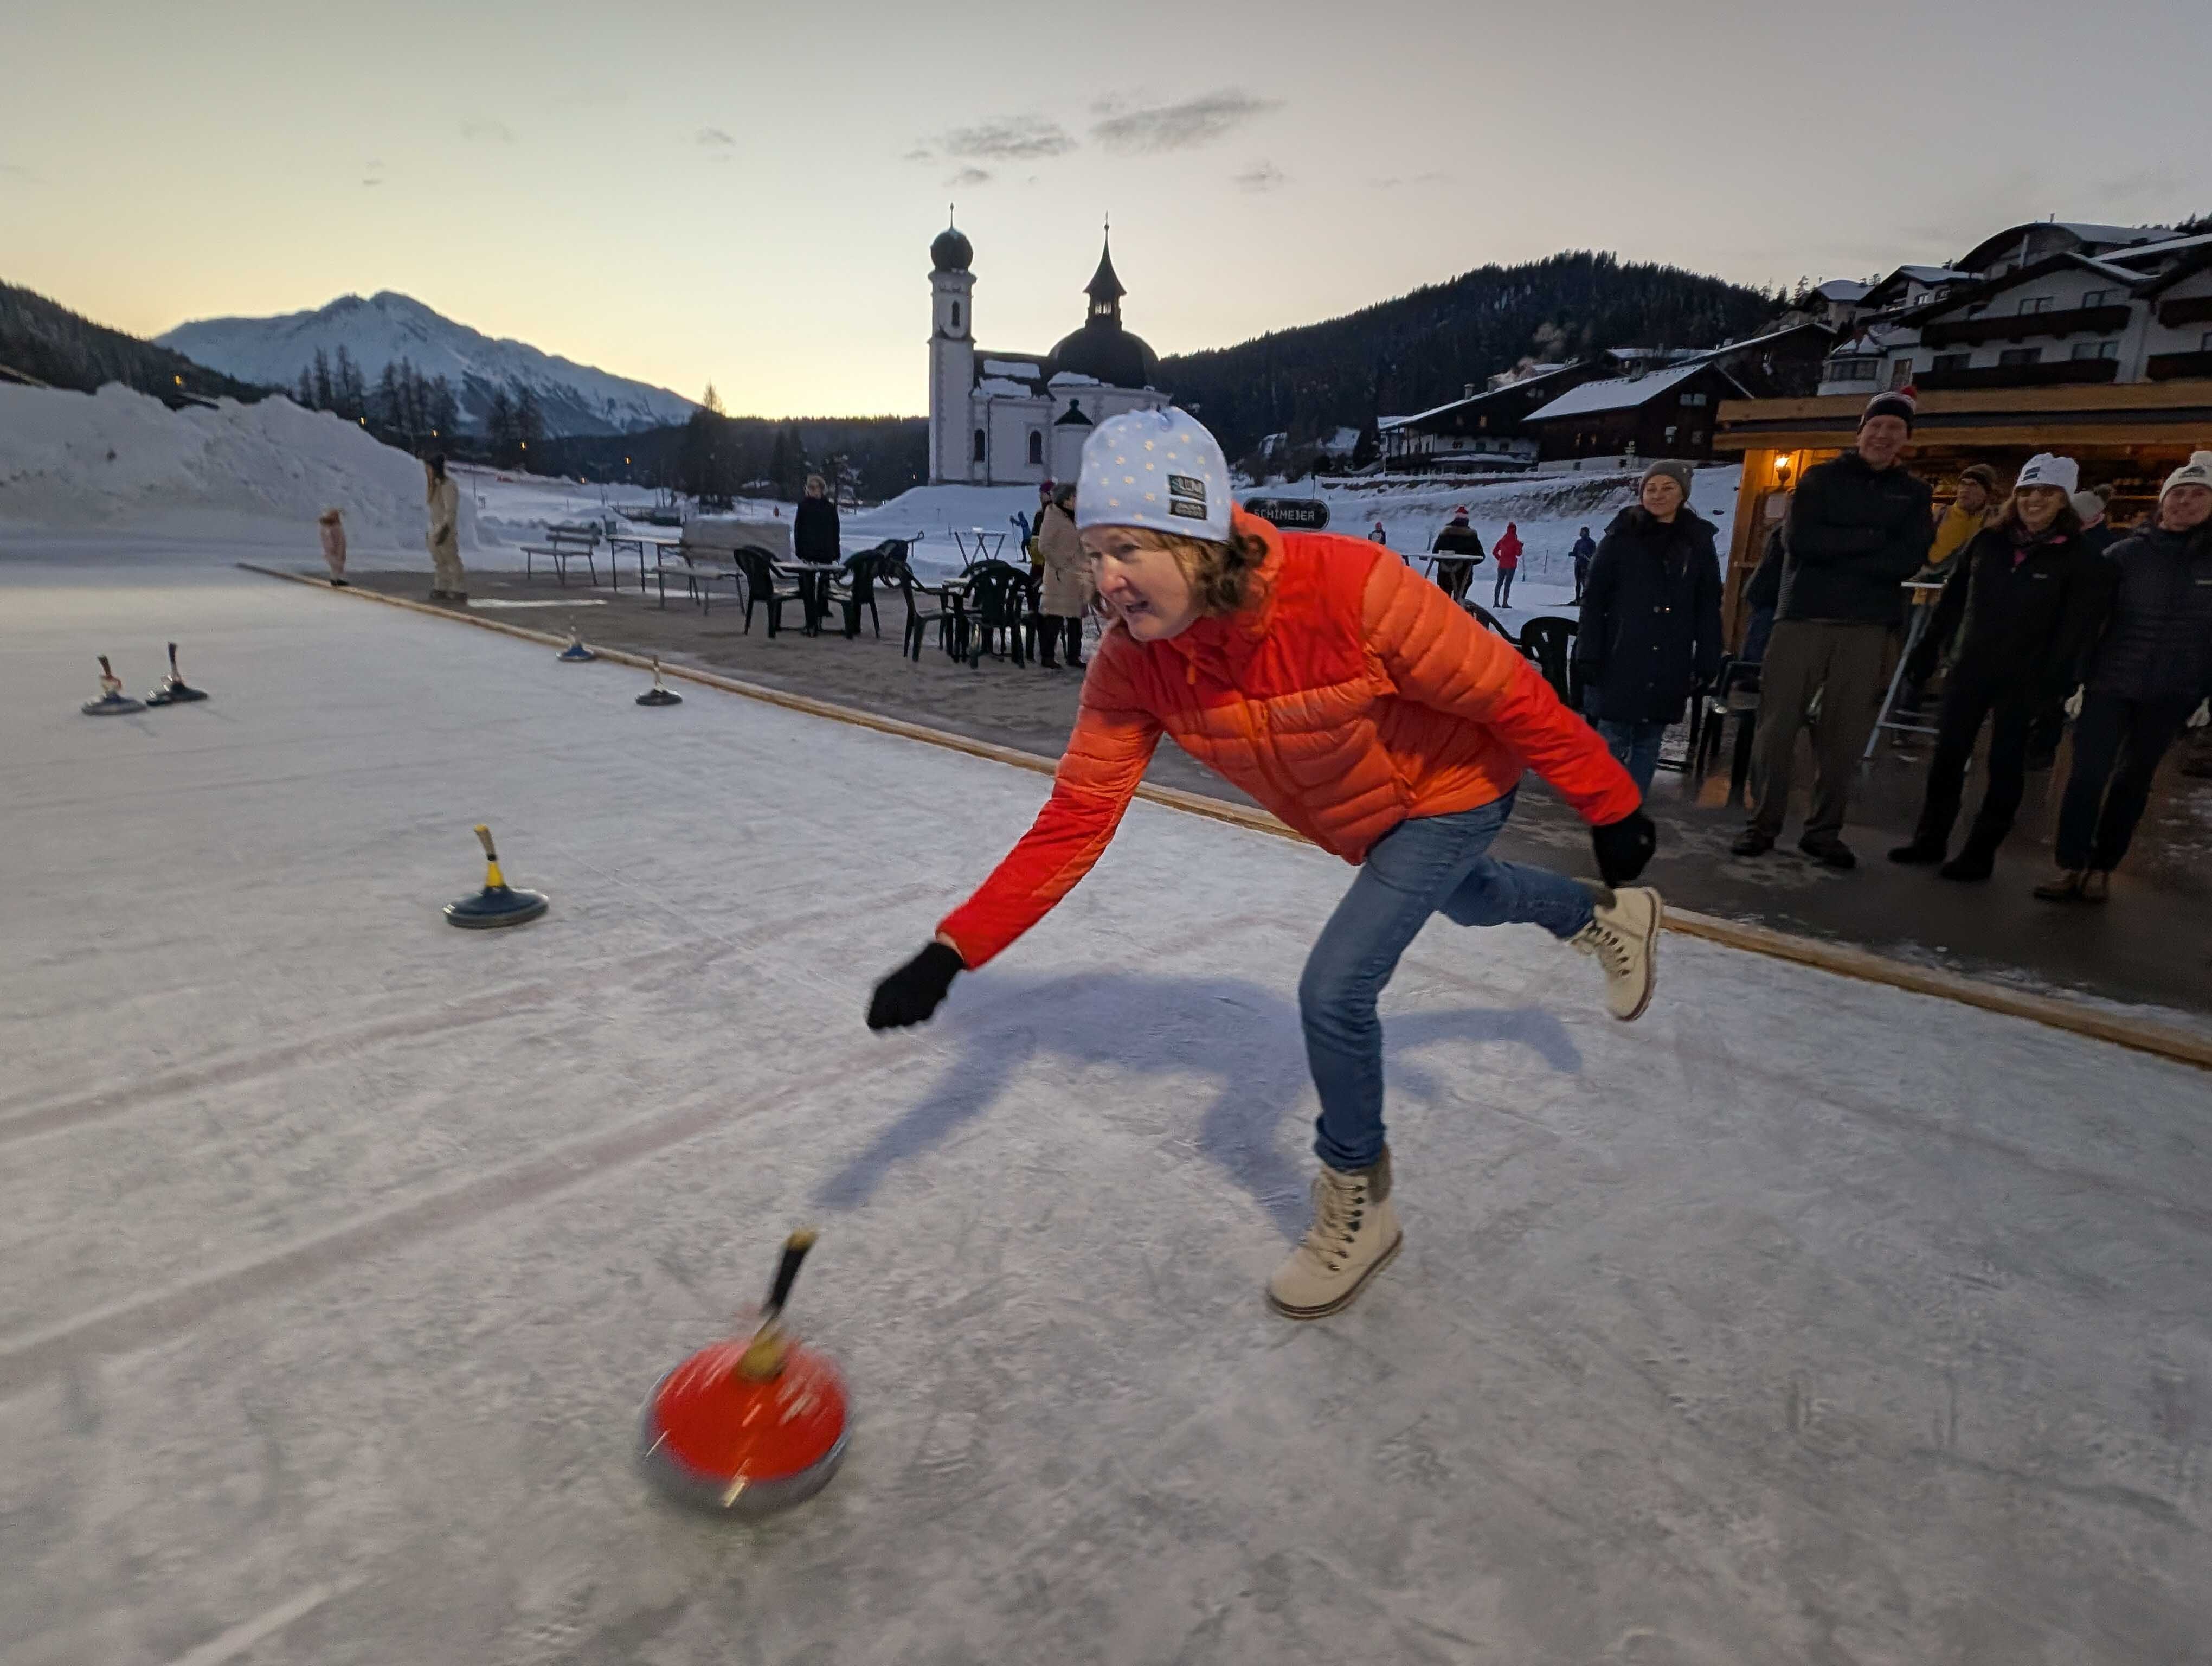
(1623, 847)
(911, 994)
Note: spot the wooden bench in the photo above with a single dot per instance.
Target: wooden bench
(562, 545)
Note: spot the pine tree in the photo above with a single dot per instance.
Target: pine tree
(322, 381)
(779, 462)
(442, 409)
(529, 422)
(391, 408)
(352, 398)
(499, 427)
(307, 394)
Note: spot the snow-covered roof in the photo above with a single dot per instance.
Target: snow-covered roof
(998, 367)
(1934, 275)
(2172, 246)
(1004, 387)
(1616, 393)
(1842, 288)
(1521, 385)
(1074, 379)
(1876, 340)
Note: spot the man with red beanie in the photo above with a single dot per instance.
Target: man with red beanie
(1348, 695)
(1859, 526)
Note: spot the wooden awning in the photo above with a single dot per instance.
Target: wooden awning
(2065, 418)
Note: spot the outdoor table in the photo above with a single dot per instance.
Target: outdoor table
(638, 546)
(987, 546)
(1453, 572)
(813, 577)
(953, 593)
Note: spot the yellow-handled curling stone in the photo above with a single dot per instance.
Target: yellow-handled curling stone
(498, 903)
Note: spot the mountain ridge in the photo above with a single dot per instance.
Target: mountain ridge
(388, 326)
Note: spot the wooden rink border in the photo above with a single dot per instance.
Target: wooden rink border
(2160, 1040)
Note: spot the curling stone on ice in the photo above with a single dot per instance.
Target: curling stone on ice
(749, 1426)
(659, 694)
(112, 700)
(497, 904)
(174, 691)
(575, 653)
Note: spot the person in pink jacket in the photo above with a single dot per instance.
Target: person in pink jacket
(1506, 553)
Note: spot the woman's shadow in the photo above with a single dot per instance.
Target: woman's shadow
(1243, 1037)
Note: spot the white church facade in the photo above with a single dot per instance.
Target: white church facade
(1000, 419)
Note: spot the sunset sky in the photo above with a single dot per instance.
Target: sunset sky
(745, 193)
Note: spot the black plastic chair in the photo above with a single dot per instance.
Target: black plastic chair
(1550, 643)
(854, 589)
(998, 603)
(764, 589)
(1488, 621)
(897, 574)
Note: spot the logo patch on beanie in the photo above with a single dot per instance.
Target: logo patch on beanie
(1187, 496)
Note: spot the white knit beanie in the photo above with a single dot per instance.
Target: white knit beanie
(2046, 469)
(2197, 471)
(1156, 469)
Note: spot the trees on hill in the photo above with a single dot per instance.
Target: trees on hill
(1421, 350)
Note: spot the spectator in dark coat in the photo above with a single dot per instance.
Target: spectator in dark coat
(1457, 538)
(2151, 667)
(1650, 633)
(1762, 594)
(814, 531)
(1859, 526)
(1581, 552)
(2019, 600)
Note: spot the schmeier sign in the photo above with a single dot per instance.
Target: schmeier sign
(1296, 514)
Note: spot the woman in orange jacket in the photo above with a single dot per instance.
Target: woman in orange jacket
(1350, 697)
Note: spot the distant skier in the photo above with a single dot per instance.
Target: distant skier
(1380, 722)
(1507, 553)
(443, 497)
(1583, 550)
(332, 530)
(1458, 539)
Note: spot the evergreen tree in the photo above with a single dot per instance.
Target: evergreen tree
(499, 427)
(779, 461)
(322, 381)
(306, 396)
(442, 410)
(391, 405)
(346, 386)
(529, 422)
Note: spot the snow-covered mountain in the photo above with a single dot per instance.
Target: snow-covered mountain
(575, 398)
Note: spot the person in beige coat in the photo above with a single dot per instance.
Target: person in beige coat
(444, 497)
(1067, 587)
(332, 531)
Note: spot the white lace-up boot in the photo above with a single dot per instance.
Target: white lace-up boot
(1624, 937)
(1353, 1236)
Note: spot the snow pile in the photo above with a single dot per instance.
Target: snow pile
(121, 460)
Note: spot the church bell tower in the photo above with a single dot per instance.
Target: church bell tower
(951, 358)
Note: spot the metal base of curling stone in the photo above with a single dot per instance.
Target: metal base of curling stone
(497, 905)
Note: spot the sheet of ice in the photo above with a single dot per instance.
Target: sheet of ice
(1803, 1320)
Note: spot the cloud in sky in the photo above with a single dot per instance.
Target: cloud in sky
(1260, 176)
(1162, 127)
(713, 138)
(921, 153)
(970, 176)
(1009, 139)
(488, 132)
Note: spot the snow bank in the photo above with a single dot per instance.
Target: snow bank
(121, 460)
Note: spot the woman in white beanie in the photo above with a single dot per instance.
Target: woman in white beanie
(2018, 600)
(1350, 697)
(2150, 669)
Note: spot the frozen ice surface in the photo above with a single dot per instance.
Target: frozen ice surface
(1804, 1320)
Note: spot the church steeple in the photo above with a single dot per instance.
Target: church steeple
(1105, 288)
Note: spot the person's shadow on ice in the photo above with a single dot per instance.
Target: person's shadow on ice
(1238, 1035)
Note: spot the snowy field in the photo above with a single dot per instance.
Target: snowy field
(1803, 1321)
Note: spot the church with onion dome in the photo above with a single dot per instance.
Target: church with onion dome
(1002, 419)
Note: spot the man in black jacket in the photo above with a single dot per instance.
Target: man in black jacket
(2146, 674)
(1860, 527)
(2022, 600)
(1462, 547)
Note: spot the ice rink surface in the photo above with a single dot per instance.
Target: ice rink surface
(1805, 1321)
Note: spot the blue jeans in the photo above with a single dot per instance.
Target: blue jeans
(1430, 864)
(1635, 744)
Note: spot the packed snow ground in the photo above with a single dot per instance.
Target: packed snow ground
(338, 1249)
(259, 473)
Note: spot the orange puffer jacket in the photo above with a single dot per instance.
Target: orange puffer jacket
(1352, 695)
